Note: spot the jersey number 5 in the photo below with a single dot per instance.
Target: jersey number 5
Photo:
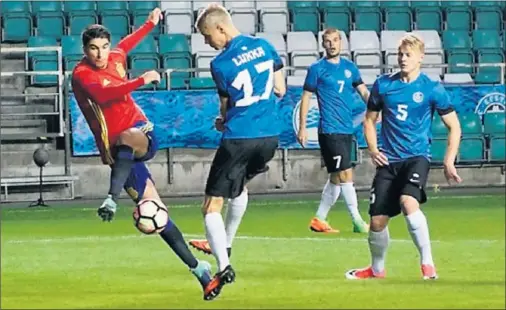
(243, 81)
(402, 112)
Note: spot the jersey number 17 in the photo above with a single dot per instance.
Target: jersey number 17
(243, 81)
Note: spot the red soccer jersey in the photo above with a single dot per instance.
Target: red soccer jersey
(104, 96)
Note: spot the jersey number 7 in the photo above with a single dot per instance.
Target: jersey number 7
(243, 81)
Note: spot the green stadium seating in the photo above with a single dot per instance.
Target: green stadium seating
(460, 57)
(302, 4)
(339, 18)
(44, 63)
(489, 75)
(71, 45)
(495, 124)
(79, 6)
(79, 20)
(50, 24)
(485, 39)
(458, 18)
(16, 21)
(15, 7)
(452, 4)
(46, 6)
(477, 4)
(40, 41)
(489, 18)
(142, 6)
(456, 39)
(305, 19)
(368, 18)
(429, 18)
(391, 4)
(141, 63)
(438, 150)
(202, 83)
(177, 78)
(332, 4)
(471, 150)
(438, 128)
(139, 18)
(118, 22)
(425, 4)
(170, 43)
(470, 124)
(398, 18)
(359, 4)
(110, 6)
(497, 149)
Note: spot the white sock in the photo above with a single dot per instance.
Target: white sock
(329, 197)
(235, 211)
(378, 244)
(350, 197)
(217, 238)
(419, 230)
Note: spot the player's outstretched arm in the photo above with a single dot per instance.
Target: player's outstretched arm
(451, 122)
(304, 108)
(105, 94)
(130, 41)
(279, 84)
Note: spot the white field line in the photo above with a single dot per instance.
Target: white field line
(253, 203)
(247, 238)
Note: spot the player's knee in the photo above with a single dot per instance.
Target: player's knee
(346, 176)
(134, 138)
(378, 223)
(212, 205)
(409, 204)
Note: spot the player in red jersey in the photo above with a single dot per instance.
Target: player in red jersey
(123, 134)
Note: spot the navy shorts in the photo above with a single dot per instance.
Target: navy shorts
(139, 174)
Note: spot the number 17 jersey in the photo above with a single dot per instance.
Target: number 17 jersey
(244, 73)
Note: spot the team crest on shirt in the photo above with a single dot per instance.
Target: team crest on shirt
(120, 69)
(418, 97)
(347, 73)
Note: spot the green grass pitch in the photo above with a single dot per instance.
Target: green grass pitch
(65, 257)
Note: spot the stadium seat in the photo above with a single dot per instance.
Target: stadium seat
(361, 4)
(44, 63)
(178, 17)
(303, 50)
(139, 18)
(456, 39)
(389, 44)
(49, 24)
(489, 75)
(46, 6)
(458, 18)
(177, 78)
(117, 21)
(489, 18)
(497, 152)
(277, 40)
(394, 4)
(438, 150)
(458, 3)
(198, 44)
(364, 40)
(71, 46)
(79, 20)
(460, 57)
(112, 6)
(398, 18)
(438, 128)
(79, 6)
(485, 39)
(295, 80)
(332, 4)
(471, 150)
(337, 17)
(244, 16)
(458, 78)
(274, 16)
(305, 19)
(17, 25)
(202, 83)
(173, 43)
(203, 62)
(470, 124)
(365, 48)
(428, 18)
(345, 45)
(141, 63)
(431, 39)
(477, 4)
(425, 4)
(494, 123)
(472, 145)
(143, 6)
(368, 18)
(301, 4)
(39, 41)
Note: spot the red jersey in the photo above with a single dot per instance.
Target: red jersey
(104, 96)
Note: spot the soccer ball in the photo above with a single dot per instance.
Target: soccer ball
(150, 216)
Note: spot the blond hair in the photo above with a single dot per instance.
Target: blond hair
(412, 41)
(331, 31)
(212, 15)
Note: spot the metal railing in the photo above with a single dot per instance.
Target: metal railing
(58, 108)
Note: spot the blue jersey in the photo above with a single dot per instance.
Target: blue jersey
(407, 110)
(244, 73)
(334, 85)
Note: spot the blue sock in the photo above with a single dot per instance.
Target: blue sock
(123, 162)
(173, 237)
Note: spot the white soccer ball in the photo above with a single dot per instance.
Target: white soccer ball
(150, 216)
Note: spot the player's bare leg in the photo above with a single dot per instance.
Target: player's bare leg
(378, 244)
(350, 198)
(217, 237)
(419, 231)
(235, 212)
(132, 143)
(174, 238)
(330, 194)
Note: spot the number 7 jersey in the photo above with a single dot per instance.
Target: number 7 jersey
(244, 73)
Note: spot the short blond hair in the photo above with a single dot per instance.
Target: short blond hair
(331, 31)
(412, 41)
(214, 13)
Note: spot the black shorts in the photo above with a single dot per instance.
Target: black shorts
(336, 151)
(400, 178)
(236, 162)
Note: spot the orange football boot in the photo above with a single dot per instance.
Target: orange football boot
(201, 245)
(321, 226)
